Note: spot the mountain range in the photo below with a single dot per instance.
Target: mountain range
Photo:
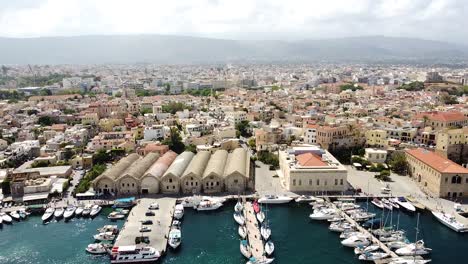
(167, 49)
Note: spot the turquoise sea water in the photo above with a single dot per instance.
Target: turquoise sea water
(211, 237)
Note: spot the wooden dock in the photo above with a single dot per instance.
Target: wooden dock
(253, 231)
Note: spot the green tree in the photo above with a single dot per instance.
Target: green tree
(350, 86)
(85, 182)
(102, 157)
(191, 148)
(45, 92)
(243, 129)
(174, 141)
(398, 163)
(252, 143)
(413, 86)
(383, 176)
(45, 121)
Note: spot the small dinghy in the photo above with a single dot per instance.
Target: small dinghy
(269, 248)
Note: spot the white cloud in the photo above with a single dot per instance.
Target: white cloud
(247, 19)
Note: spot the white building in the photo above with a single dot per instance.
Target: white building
(154, 132)
(310, 134)
(235, 117)
(375, 155)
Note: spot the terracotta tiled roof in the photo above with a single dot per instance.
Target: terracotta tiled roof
(443, 116)
(310, 160)
(436, 161)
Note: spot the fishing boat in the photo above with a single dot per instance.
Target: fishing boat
(98, 248)
(401, 201)
(238, 207)
(95, 210)
(265, 231)
(79, 211)
(208, 206)
(242, 231)
(108, 228)
(361, 250)
(260, 216)
(263, 260)
(400, 260)
(59, 212)
(274, 199)
(175, 237)
(15, 216)
(6, 218)
(450, 222)
(371, 256)
(305, 199)
(86, 210)
(49, 212)
(179, 211)
(132, 254)
(115, 216)
(378, 203)
(414, 249)
(356, 241)
(106, 236)
(269, 248)
(245, 249)
(69, 212)
(239, 218)
(256, 207)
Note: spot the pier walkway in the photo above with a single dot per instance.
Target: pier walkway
(162, 221)
(253, 231)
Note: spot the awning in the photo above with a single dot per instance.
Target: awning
(35, 196)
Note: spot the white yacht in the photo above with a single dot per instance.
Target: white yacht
(6, 218)
(387, 204)
(269, 248)
(175, 237)
(49, 212)
(341, 227)
(86, 210)
(239, 218)
(69, 212)
(378, 203)
(245, 249)
(179, 211)
(242, 231)
(59, 212)
(261, 216)
(238, 207)
(97, 248)
(15, 215)
(108, 228)
(115, 216)
(265, 231)
(305, 199)
(79, 211)
(208, 205)
(401, 201)
(362, 250)
(274, 199)
(450, 221)
(414, 249)
(132, 254)
(95, 210)
(397, 244)
(356, 241)
(400, 260)
(106, 236)
(371, 256)
(263, 260)
(323, 214)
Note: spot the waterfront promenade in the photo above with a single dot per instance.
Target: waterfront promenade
(162, 221)
(253, 231)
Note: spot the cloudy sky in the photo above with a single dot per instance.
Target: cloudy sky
(238, 19)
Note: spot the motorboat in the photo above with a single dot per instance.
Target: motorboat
(98, 248)
(400, 260)
(49, 212)
(69, 212)
(175, 237)
(265, 231)
(15, 216)
(6, 218)
(59, 212)
(347, 206)
(340, 227)
(245, 249)
(260, 216)
(378, 203)
(371, 256)
(274, 199)
(393, 237)
(238, 207)
(208, 206)
(155, 206)
(336, 218)
(79, 211)
(115, 216)
(106, 236)
(362, 216)
(242, 231)
(414, 249)
(256, 207)
(393, 203)
(95, 210)
(386, 203)
(397, 244)
(356, 241)
(86, 210)
(347, 234)
(362, 249)
(239, 218)
(126, 254)
(263, 260)
(401, 201)
(122, 211)
(323, 214)
(269, 248)
(450, 221)
(305, 199)
(108, 228)
(194, 201)
(179, 211)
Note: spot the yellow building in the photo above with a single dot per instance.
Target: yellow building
(376, 138)
(453, 144)
(107, 124)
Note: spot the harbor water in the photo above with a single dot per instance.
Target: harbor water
(211, 237)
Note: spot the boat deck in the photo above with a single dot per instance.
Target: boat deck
(162, 221)
(253, 231)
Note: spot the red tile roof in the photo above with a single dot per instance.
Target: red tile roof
(436, 161)
(443, 116)
(310, 160)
